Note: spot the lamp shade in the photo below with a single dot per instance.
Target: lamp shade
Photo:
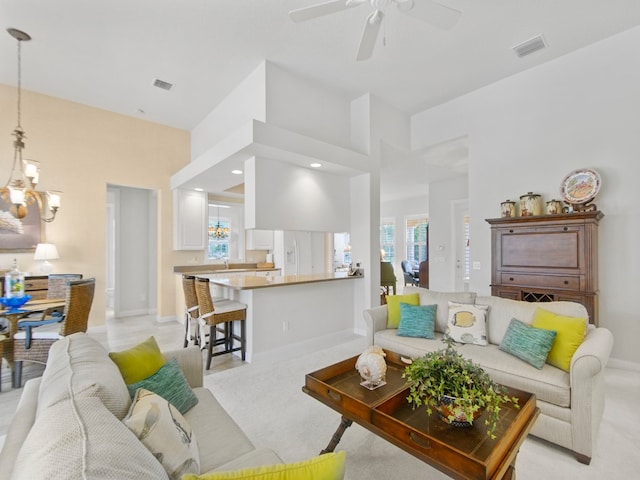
(46, 251)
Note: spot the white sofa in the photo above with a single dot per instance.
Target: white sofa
(571, 404)
(68, 422)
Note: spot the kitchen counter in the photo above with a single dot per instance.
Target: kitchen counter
(216, 268)
(251, 282)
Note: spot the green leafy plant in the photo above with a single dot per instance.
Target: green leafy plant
(445, 372)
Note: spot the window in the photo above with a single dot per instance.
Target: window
(388, 239)
(417, 230)
(218, 246)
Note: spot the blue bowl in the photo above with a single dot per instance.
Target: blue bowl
(14, 303)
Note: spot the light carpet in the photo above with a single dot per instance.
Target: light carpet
(266, 400)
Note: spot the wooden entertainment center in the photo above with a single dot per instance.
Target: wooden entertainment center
(546, 258)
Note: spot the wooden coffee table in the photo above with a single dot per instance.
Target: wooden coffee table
(460, 452)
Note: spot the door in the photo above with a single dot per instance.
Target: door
(462, 244)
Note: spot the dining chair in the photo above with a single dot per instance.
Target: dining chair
(220, 318)
(56, 288)
(410, 278)
(191, 314)
(33, 342)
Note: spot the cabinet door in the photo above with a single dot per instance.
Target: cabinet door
(190, 220)
(259, 239)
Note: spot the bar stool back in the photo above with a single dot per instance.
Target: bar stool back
(191, 330)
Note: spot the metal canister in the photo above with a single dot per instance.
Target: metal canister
(530, 204)
(554, 207)
(508, 209)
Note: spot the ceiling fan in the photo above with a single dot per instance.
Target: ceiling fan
(426, 10)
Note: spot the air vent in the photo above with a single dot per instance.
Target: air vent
(528, 47)
(162, 84)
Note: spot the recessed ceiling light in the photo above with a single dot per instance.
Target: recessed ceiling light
(236, 172)
(199, 189)
(315, 165)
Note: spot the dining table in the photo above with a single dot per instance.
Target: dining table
(14, 315)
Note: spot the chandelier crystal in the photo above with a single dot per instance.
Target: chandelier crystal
(218, 232)
(20, 189)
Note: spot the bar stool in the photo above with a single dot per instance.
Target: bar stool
(191, 330)
(220, 318)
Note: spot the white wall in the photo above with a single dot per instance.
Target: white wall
(304, 107)
(528, 131)
(442, 250)
(246, 102)
(286, 197)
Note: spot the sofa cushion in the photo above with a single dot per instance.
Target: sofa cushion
(224, 438)
(139, 362)
(502, 310)
(570, 334)
(78, 438)
(170, 383)
(78, 362)
(528, 343)
(165, 432)
(467, 323)
(441, 299)
(393, 307)
(417, 320)
(329, 466)
(254, 458)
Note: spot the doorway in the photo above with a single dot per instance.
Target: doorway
(131, 243)
(462, 242)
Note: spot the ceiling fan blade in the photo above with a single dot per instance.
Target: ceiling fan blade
(370, 35)
(431, 12)
(321, 9)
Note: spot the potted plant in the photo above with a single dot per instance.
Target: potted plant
(458, 389)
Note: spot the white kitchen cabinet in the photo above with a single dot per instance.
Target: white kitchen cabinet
(259, 239)
(190, 210)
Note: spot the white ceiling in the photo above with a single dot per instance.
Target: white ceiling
(107, 53)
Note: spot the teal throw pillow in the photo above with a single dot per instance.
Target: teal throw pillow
(528, 343)
(417, 320)
(170, 383)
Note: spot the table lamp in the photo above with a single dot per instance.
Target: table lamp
(46, 252)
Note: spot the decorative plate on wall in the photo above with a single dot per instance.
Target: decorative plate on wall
(580, 186)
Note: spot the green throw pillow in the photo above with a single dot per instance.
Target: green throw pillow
(139, 362)
(570, 334)
(417, 320)
(170, 383)
(528, 343)
(393, 307)
(329, 466)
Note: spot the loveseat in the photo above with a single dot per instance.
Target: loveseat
(571, 403)
(69, 423)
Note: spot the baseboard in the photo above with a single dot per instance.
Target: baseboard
(623, 364)
(167, 319)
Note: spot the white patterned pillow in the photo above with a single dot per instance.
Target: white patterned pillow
(165, 432)
(468, 323)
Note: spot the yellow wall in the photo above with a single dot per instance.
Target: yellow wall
(82, 149)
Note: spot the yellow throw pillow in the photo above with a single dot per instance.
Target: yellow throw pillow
(570, 334)
(139, 362)
(393, 307)
(329, 466)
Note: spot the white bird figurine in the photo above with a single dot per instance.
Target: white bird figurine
(371, 365)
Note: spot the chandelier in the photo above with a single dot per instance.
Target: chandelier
(218, 232)
(20, 189)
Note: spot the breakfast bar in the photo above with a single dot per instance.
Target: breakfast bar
(292, 313)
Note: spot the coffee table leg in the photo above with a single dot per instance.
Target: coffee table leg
(344, 424)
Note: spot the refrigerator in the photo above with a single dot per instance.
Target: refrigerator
(302, 253)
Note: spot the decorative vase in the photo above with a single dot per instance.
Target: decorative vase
(508, 209)
(554, 207)
(453, 414)
(530, 204)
